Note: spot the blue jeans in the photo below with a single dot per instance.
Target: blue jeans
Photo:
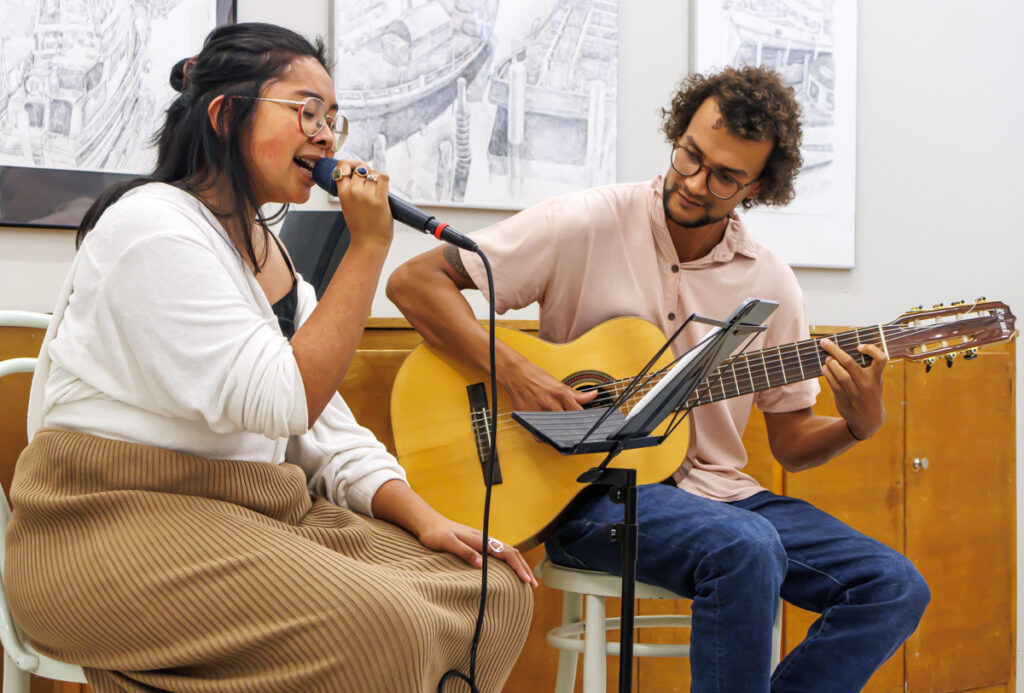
(735, 559)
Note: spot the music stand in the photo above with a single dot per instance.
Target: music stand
(608, 429)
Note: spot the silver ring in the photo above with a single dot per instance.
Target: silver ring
(495, 545)
(371, 177)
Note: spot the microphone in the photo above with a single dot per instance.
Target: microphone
(402, 211)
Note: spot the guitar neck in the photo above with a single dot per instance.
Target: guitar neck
(773, 367)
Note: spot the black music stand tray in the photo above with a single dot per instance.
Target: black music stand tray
(607, 429)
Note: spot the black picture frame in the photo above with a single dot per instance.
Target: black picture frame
(58, 198)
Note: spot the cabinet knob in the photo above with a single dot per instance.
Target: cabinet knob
(920, 463)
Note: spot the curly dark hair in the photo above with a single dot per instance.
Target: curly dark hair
(756, 104)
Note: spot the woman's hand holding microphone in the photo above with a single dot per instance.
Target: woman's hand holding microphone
(363, 194)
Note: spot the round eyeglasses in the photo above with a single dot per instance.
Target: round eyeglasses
(720, 184)
(313, 118)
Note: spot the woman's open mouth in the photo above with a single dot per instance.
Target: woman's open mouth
(305, 163)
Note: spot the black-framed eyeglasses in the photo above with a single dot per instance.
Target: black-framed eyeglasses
(719, 183)
(313, 118)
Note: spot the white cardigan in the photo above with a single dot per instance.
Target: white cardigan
(162, 336)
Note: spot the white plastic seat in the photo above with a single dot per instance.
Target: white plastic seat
(20, 660)
(593, 588)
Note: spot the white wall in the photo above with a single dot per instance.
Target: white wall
(939, 153)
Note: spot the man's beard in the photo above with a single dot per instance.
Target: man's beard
(703, 220)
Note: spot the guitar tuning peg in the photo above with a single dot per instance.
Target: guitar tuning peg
(928, 363)
(958, 303)
(916, 309)
(938, 305)
(971, 354)
(950, 358)
(979, 299)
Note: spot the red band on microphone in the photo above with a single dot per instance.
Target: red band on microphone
(440, 227)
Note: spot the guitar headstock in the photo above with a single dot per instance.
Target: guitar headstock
(925, 334)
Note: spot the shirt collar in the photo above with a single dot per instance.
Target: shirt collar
(735, 240)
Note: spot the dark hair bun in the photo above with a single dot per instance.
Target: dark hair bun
(178, 75)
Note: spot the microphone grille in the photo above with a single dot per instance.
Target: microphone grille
(322, 172)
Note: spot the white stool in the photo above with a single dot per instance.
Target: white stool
(595, 587)
(19, 658)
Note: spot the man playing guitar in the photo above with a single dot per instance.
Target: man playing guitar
(661, 250)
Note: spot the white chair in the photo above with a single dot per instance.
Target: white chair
(20, 659)
(594, 587)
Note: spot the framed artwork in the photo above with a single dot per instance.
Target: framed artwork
(83, 90)
(813, 45)
(480, 103)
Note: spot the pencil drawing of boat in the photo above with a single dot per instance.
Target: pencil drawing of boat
(76, 103)
(397, 63)
(556, 97)
(794, 37)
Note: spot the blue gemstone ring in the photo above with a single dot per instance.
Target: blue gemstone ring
(361, 171)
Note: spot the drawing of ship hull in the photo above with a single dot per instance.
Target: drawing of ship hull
(94, 135)
(413, 60)
(81, 91)
(556, 99)
(397, 124)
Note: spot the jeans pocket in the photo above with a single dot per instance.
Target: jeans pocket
(558, 543)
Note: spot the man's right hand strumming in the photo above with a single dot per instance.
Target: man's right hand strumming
(533, 389)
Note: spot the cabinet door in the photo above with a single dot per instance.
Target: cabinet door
(960, 520)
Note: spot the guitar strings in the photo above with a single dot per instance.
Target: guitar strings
(794, 354)
(741, 376)
(789, 357)
(742, 372)
(740, 363)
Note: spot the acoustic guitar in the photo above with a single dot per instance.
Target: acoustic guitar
(440, 407)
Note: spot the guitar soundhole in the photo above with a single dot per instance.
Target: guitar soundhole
(585, 381)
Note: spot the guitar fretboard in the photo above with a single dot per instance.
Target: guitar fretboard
(766, 368)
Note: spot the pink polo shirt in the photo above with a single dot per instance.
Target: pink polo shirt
(606, 252)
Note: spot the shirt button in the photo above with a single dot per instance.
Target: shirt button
(671, 316)
(675, 268)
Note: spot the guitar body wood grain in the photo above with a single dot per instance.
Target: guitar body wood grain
(430, 415)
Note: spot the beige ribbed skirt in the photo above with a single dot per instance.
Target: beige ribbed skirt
(157, 570)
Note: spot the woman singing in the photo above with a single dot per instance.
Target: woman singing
(197, 509)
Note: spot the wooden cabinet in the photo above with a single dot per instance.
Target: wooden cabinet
(954, 516)
(960, 522)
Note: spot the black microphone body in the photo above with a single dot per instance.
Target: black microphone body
(402, 211)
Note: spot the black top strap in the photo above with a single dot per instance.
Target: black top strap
(285, 307)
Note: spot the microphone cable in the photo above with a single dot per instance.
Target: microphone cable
(407, 213)
(491, 456)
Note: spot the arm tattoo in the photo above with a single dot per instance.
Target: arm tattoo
(454, 258)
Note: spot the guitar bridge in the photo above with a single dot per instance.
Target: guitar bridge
(480, 415)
